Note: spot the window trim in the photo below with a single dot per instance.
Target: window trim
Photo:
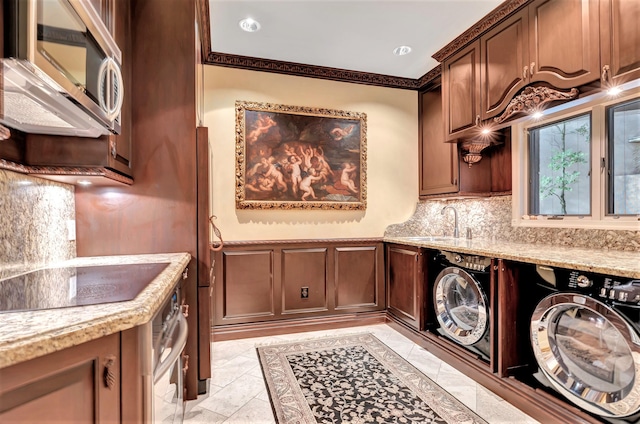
(599, 219)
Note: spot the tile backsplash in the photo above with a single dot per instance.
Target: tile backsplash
(491, 218)
(34, 217)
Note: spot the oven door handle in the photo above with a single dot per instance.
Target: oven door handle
(176, 350)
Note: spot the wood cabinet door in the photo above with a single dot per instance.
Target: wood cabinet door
(69, 386)
(504, 68)
(461, 91)
(564, 42)
(620, 40)
(405, 280)
(438, 160)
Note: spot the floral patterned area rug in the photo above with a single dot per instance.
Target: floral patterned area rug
(353, 379)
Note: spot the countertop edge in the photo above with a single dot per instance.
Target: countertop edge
(86, 323)
(611, 262)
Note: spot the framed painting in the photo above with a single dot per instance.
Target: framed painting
(293, 157)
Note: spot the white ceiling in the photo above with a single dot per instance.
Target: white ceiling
(357, 35)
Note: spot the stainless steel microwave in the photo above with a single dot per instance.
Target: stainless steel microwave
(60, 71)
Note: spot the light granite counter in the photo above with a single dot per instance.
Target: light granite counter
(612, 262)
(28, 335)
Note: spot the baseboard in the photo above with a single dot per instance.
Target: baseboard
(274, 328)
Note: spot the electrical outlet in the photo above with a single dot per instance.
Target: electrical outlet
(304, 293)
(71, 229)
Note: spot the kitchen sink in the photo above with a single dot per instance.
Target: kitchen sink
(429, 238)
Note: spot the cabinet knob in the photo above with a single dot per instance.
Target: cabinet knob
(532, 68)
(525, 72)
(109, 375)
(605, 73)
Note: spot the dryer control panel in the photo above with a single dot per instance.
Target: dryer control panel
(474, 263)
(604, 287)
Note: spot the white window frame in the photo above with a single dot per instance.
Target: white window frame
(599, 219)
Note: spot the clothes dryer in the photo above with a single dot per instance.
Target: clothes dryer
(461, 300)
(585, 338)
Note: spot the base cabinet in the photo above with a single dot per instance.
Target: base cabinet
(406, 281)
(76, 385)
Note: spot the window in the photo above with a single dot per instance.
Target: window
(580, 166)
(623, 123)
(559, 155)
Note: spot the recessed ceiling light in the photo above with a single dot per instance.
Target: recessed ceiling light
(402, 50)
(84, 182)
(249, 25)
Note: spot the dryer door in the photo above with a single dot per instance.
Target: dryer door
(461, 306)
(589, 352)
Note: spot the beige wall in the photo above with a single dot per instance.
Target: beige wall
(392, 151)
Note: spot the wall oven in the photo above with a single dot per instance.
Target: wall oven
(163, 342)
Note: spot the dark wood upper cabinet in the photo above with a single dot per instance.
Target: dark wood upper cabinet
(564, 42)
(438, 161)
(504, 67)
(461, 90)
(620, 40)
(555, 42)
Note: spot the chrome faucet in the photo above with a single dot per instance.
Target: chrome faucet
(456, 231)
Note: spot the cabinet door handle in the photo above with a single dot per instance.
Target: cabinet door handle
(525, 72)
(109, 376)
(532, 68)
(477, 120)
(605, 73)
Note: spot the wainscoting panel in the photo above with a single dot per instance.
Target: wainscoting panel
(246, 286)
(357, 272)
(264, 285)
(304, 279)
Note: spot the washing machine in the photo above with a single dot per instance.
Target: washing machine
(462, 300)
(585, 337)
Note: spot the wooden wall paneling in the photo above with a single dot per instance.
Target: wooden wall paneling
(158, 213)
(246, 289)
(356, 277)
(304, 269)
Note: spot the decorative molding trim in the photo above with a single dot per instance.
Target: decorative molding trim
(532, 99)
(429, 76)
(493, 17)
(62, 171)
(202, 8)
(311, 71)
(244, 243)
(297, 325)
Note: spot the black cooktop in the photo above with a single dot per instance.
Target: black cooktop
(76, 286)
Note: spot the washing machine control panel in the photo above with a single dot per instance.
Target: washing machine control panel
(605, 287)
(474, 263)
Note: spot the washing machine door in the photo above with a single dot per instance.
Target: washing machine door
(461, 306)
(589, 353)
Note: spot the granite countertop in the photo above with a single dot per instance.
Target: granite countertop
(612, 262)
(29, 334)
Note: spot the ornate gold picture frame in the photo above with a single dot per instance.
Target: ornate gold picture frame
(294, 157)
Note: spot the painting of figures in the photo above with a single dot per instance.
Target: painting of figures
(291, 157)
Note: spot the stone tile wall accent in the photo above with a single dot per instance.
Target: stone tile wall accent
(490, 218)
(33, 222)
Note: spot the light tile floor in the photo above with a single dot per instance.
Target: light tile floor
(238, 394)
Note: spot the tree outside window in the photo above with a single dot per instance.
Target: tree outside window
(559, 163)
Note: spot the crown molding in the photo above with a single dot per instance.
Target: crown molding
(493, 17)
(311, 71)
